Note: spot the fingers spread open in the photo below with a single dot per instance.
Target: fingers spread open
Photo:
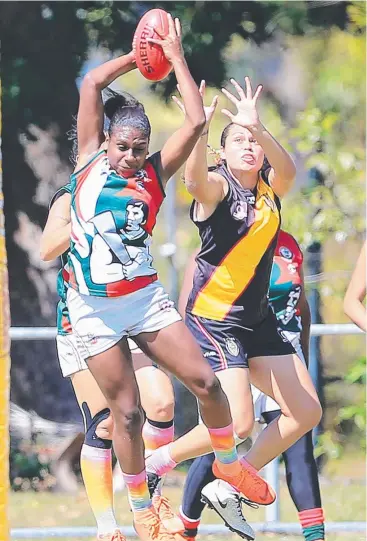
(258, 92)
(228, 113)
(230, 96)
(178, 27)
(248, 88)
(239, 89)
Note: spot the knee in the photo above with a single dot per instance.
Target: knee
(99, 428)
(104, 429)
(315, 414)
(129, 419)
(243, 428)
(310, 415)
(163, 409)
(208, 388)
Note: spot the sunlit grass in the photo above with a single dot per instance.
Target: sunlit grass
(342, 484)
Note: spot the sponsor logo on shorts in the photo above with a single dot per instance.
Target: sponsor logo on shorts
(232, 347)
(92, 339)
(166, 305)
(210, 354)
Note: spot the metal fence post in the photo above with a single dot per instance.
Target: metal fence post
(272, 512)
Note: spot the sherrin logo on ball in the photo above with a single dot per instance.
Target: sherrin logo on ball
(150, 59)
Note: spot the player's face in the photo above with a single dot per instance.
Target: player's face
(135, 217)
(127, 150)
(241, 150)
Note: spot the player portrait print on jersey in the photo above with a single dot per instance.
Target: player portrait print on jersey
(112, 222)
(285, 282)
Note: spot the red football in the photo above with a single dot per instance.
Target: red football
(150, 59)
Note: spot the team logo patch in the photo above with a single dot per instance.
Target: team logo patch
(232, 347)
(240, 211)
(285, 252)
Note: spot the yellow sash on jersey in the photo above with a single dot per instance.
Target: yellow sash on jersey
(235, 272)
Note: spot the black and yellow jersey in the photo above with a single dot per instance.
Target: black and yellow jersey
(238, 240)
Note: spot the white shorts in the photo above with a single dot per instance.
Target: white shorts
(262, 402)
(72, 353)
(101, 322)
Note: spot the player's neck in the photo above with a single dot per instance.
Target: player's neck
(247, 179)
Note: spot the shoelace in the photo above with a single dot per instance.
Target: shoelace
(242, 499)
(257, 483)
(118, 537)
(239, 508)
(154, 527)
(167, 511)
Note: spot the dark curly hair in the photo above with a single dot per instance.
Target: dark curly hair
(120, 109)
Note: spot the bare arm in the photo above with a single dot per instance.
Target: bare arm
(187, 284)
(55, 238)
(283, 170)
(305, 319)
(90, 112)
(206, 188)
(179, 146)
(356, 292)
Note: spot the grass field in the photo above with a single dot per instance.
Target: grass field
(343, 491)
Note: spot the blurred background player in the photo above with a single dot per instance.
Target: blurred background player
(356, 292)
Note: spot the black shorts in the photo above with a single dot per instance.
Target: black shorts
(226, 345)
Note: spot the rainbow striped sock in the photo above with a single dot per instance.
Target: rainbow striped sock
(312, 522)
(138, 491)
(224, 447)
(156, 434)
(96, 466)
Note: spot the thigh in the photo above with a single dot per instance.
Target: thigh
(220, 343)
(87, 390)
(114, 373)
(175, 349)
(266, 340)
(236, 384)
(285, 379)
(155, 387)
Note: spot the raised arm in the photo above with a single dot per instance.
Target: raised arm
(206, 188)
(356, 292)
(305, 319)
(90, 112)
(179, 146)
(55, 238)
(283, 170)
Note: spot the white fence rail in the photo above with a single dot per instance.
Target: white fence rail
(48, 333)
(272, 523)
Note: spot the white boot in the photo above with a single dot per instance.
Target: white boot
(226, 502)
